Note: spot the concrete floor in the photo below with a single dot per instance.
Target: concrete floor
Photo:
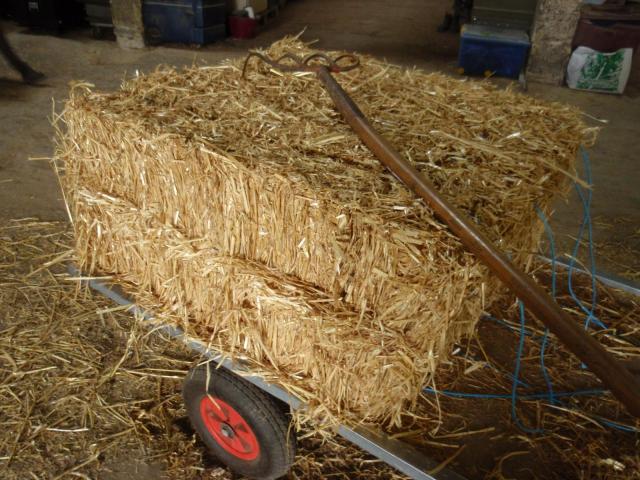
(403, 34)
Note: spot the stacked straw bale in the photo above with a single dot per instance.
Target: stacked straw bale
(248, 213)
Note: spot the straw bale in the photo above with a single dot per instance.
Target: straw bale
(247, 212)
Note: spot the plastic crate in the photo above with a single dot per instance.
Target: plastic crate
(498, 51)
(184, 21)
(208, 34)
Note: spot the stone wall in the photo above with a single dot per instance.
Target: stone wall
(554, 26)
(127, 23)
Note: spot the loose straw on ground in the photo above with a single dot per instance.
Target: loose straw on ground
(85, 392)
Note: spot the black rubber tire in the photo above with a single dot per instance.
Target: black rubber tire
(263, 413)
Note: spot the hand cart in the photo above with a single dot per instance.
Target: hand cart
(243, 419)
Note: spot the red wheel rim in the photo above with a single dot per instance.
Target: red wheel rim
(228, 428)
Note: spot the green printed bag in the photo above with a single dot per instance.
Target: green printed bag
(601, 72)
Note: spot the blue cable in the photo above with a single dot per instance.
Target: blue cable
(516, 374)
(550, 395)
(545, 337)
(586, 222)
(616, 425)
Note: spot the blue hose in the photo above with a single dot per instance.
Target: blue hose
(586, 222)
(545, 338)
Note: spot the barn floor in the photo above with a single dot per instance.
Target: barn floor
(404, 35)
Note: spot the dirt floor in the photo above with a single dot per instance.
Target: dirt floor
(404, 35)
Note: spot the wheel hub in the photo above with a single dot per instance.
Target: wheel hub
(227, 431)
(228, 428)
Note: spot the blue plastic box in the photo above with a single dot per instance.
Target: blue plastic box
(499, 51)
(184, 21)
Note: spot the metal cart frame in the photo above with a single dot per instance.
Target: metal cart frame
(393, 452)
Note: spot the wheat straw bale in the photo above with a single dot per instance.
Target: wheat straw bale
(247, 212)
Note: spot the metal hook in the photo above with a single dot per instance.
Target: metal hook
(305, 64)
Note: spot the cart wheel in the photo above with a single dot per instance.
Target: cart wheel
(242, 426)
